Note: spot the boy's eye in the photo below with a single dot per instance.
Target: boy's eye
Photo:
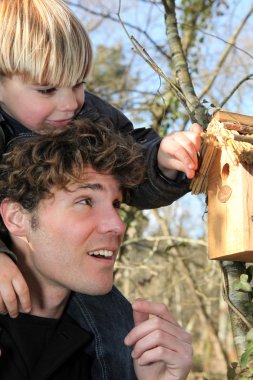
(80, 84)
(46, 91)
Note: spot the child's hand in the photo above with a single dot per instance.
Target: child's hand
(14, 292)
(162, 349)
(178, 152)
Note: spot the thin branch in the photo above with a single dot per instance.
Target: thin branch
(159, 48)
(139, 49)
(248, 77)
(225, 53)
(115, 19)
(166, 238)
(233, 307)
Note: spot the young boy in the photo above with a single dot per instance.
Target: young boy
(79, 176)
(45, 57)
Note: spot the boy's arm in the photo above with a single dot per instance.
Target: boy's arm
(172, 162)
(5, 250)
(162, 349)
(169, 159)
(14, 292)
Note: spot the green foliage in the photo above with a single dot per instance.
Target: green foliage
(243, 284)
(247, 356)
(246, 360)
(195, 16)
(134, 219)
(206, 9)
(231, 373)
(245, 372)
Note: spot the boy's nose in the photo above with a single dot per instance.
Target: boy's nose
(67, 100)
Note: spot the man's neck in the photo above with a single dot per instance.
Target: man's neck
(48, 304)
(48, 300)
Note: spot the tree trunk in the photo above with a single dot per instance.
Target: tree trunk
(198, 113)
(240, 317)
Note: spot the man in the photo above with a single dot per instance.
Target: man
(60, 199)
(45, 58)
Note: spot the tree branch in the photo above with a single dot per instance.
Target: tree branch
(248, 77)
(225, 53)
(128, 24)
(241, 319)
(196, 110)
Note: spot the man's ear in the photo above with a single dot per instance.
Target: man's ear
(14, 216)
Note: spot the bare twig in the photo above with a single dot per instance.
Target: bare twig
(115, 19)
(166, 238)
(248, 77)
(230, 45)
(139, 49)
(243, 138)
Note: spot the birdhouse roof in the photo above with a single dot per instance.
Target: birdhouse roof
(230, 131)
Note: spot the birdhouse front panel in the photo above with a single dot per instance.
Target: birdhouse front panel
(225, 174)
(230, 209)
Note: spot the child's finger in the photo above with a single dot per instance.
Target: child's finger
(9, 298)
(3, 309)
(196, 128)
(23, 294)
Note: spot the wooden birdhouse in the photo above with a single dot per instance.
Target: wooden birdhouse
(226, 176)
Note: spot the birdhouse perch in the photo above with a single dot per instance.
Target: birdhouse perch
(226, 175)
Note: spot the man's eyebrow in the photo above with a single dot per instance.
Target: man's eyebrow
(92, 186)
(95, 186)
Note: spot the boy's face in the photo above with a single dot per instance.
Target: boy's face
(77, 235)
(40, 108)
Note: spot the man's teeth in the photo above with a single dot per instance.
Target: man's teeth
(101, 253)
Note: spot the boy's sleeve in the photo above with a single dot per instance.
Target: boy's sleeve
(5, 250)
(157, 190)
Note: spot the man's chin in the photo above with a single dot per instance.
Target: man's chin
(103, 291)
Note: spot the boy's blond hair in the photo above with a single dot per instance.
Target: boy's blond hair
(43, 41)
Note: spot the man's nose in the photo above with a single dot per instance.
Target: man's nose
(111, 222)
(67, 100)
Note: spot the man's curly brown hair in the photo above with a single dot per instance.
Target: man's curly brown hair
(34, 165)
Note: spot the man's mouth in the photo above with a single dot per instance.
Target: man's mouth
(102, 253)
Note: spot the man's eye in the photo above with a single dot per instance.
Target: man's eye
(86, 201)
(117, 204)
(47, 91)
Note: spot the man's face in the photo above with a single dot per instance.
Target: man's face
(40, 108)
(75, 244)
